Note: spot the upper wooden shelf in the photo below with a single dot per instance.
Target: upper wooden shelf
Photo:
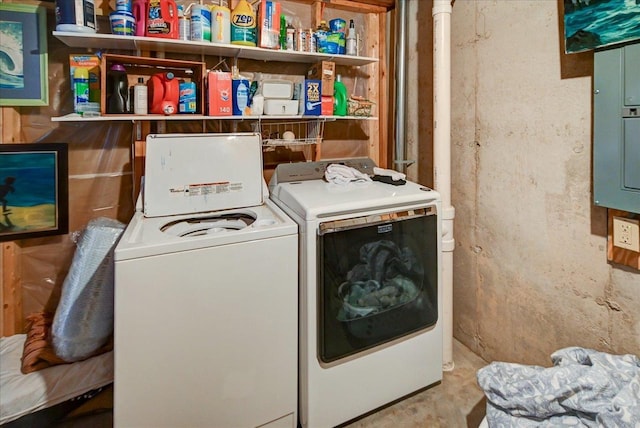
(75, 117)
(156, 44)
(363, 6)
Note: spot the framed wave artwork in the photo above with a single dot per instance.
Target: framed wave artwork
(591, 24)
(23, 55)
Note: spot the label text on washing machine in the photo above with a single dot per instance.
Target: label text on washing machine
(203, 189)
(213, 188)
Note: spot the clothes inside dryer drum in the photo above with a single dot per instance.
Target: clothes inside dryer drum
(383, 280)
(378, 283)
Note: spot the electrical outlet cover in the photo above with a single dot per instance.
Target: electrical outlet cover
(626, 233)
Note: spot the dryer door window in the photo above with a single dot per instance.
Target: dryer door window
(378, 278)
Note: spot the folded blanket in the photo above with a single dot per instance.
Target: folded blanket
(584, 388)
(38, 352)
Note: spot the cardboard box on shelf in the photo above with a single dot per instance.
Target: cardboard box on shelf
(327, 105)
(325, 71)
(269, 24)
(312, 99)
(92, 63)
(219, 93)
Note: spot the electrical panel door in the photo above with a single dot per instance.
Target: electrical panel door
(616, 150)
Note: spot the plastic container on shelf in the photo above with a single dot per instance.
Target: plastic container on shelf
(139, 10)
(140, 97)
(162, 19)
(80, 89)
(200, 23)
(320, 36)
(117, 89)
(122, 23)
(351, 48)
(164, 93)
(76, 16)
(243, 24)
(123, 6)
(220, 24)
(340, 97)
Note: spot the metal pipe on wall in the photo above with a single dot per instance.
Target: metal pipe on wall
(442, 162)
(400, 54)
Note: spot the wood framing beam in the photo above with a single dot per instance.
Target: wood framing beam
(361, 6)
(11, 295)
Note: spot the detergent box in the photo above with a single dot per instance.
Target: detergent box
(325, 71)
(219, 93)
(92, 62)
(327, 105)
(312, 99)
(269, 24)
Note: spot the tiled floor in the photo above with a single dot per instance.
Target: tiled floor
(456, 402)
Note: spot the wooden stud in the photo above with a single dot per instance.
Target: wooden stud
(9, 125)
(382, 99)
(373, 50)
(11, 295)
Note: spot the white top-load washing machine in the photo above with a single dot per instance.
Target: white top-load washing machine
(206, 292)
(370, 289)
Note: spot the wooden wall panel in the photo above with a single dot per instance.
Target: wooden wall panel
(11, 296)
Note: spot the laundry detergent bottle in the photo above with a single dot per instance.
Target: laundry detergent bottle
(162, 19)
(164, 93)
(243, 24)
(139, 10)
(117, 90)
(340, 100)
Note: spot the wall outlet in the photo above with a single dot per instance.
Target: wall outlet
(626, 233)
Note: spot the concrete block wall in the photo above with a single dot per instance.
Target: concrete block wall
(530, 266)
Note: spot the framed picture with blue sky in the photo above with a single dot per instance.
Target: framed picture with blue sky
(33, 190)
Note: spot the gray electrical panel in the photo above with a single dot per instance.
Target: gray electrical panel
(616, 128)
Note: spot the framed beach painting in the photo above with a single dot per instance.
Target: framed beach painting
(33, 190)
(591, 24)
(23, 55)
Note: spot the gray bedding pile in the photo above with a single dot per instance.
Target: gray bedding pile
(584, 388)
(84, 317)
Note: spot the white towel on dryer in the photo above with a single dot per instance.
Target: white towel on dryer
(342, 174)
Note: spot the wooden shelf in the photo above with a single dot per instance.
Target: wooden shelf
(132, 43)
(75, 117)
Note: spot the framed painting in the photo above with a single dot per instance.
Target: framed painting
(591, 24)
(23, 55)
(33, 190)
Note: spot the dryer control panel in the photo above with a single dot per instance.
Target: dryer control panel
(302, 171)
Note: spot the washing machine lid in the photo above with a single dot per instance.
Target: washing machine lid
(193, 173)
(153, 236)
(303, 192)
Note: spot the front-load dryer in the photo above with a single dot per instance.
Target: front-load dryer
(206, 292)
(370, 289)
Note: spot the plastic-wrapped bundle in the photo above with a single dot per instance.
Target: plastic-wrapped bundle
(84, 318)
